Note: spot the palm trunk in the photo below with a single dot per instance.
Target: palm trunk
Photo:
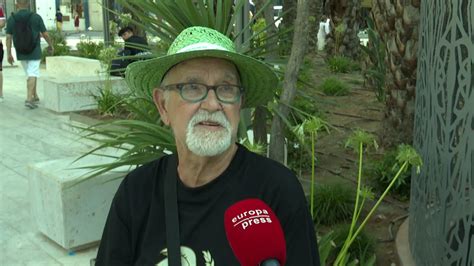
(260, 114)
(315, 13)
(298, 49)
(397, 24)
(345, 25)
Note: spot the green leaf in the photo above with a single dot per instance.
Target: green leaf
(326, 245)
(407, 153)
(358, 137)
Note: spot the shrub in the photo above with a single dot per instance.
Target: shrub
(341, 64)
(59, 44)
(259, 25)
(298, 158)
(333, 204)
(334, 87)
(362, 249)
(108, 103)
(382, 171)
(106, 56)
(89, 49)
(306, 71)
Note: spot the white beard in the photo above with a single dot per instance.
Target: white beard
(208, 143)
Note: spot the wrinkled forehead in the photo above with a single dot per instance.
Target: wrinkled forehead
(195, 68)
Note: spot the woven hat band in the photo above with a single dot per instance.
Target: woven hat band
(201, 46)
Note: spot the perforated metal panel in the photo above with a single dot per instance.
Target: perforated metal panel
(442, 196)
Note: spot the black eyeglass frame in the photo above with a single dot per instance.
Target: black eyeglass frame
(179, 87)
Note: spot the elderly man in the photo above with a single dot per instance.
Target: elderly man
(202, 86)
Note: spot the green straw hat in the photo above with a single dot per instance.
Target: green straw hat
(258, 79)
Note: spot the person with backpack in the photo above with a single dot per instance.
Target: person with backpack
(25, 29)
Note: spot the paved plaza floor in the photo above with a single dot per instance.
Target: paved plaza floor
(28, 137)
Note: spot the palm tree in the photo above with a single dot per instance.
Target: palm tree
(289, 18)
(397, 24)
(315, 13)
(298, 50)
(346, 19)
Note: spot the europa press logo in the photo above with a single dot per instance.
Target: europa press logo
(251, 217)
(254, 232)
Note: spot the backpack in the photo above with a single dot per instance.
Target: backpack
(23, 38)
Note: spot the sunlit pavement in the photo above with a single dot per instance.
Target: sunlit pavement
(27, 137)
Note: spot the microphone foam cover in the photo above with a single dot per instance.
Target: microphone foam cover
(254, 232)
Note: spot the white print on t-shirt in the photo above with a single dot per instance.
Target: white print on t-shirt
(188, 257)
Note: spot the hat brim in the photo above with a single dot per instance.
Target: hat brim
(258, 79)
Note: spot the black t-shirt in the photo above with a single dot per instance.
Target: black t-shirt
(135, 230)
(135, 44)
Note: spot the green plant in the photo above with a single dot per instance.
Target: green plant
(125, 19)
(106, 56)
(59, 44)
(333, 204)
(137, 142)
(89, 49)
(341, 64)
(306, 71)
(406, 156)
(255, 147)
(374, 75)
(306, 104)
(338, 37)
(303, 108)
(311, 126)
(108, 103)
(382, 171)
(362, 249)
(334, 87)
(113, 30)
(259, 26)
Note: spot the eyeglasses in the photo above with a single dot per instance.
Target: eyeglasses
(196, 92)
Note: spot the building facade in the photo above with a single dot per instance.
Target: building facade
(89, 11)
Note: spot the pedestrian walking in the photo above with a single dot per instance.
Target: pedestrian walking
(76, 22)
(59, 20)
(25, 29)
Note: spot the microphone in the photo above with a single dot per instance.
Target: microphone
(255, 234)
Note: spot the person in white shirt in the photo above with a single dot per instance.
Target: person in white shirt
(323, 31)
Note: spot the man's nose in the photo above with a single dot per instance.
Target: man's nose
(211, 103)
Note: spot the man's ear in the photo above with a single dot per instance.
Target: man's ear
(160, 103)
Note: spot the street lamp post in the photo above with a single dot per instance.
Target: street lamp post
(105, 16)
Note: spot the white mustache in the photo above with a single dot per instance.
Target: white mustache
(215, 117)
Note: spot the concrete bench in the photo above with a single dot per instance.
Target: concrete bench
(69, 213)
(72, 82)
(77, 94)
(72, 66)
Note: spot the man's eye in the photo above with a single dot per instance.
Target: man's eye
(191, 87)
(228, 89)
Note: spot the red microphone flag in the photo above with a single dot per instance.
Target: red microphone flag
(254, 233)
